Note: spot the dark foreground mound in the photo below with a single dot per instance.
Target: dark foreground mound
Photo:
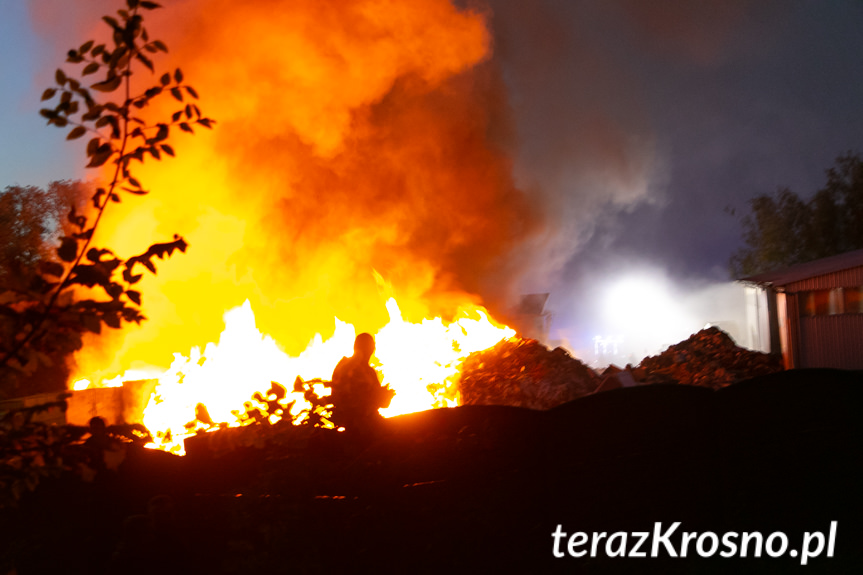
(481, 489)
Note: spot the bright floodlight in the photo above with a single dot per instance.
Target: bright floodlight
(644, 309)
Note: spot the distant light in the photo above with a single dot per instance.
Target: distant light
(644, 308)
(640, 301)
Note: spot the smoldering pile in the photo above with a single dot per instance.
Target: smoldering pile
(524, 373)
(709, 358)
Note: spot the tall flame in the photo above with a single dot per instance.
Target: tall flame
(352, 136)
(416, 360)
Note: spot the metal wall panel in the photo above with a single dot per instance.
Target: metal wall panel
(832, 341)
(845, 278)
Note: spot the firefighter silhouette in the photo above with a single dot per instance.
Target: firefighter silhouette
(357, 393)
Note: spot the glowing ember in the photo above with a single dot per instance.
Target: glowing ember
(418, 360)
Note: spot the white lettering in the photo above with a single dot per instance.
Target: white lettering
(557, 536)
(729, 544)
(641, 538)
(773, 536)
(714, 544)
(621, 548)
(596, 539)
(707, 544)
(807, 551)
(684, 542)
(664, 538)
(744, 543)
(573, 544)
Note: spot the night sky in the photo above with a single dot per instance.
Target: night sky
(636, 124)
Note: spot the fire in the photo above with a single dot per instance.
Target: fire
(418, 360)
(350, 136)
(417, 356)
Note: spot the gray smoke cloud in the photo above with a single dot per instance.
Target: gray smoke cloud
(588, 147)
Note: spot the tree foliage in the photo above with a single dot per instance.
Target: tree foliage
(49, 300)
(783, 230)
(30, 221)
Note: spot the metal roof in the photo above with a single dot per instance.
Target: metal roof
(807, 270)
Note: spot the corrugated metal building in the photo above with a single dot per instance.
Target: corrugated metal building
(814, 311)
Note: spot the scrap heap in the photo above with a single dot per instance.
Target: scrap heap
(708, 358)
(524, 373)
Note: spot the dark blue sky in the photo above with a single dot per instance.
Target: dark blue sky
(30, 153)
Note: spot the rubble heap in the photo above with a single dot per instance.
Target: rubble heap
(524, 373)
(708, 358)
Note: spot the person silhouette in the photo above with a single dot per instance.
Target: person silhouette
(357, 393)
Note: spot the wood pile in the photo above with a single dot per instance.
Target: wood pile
(524, 373)
(708, 358)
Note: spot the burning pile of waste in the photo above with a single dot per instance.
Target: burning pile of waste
(524, 373)
(708, 358)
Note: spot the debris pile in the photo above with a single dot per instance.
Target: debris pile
(524, 373)
(708, 358)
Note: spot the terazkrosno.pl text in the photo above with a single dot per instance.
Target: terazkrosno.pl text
(665, 541)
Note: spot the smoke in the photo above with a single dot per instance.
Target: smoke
(461, 153)
(702, 32)
(585, 143)
(353, 139)
(579, 75)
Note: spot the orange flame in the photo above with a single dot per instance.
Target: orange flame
(352, 136)
(417, 360)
